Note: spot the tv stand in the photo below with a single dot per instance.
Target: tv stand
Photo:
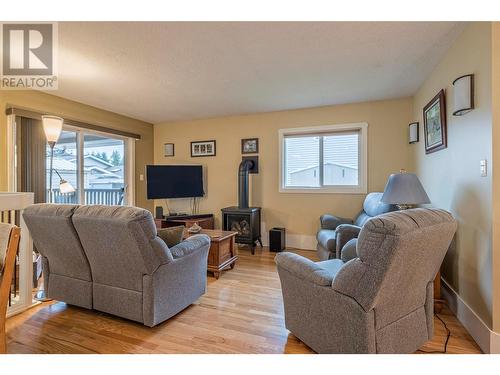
(206, 221)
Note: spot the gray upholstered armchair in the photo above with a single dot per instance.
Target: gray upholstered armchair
(381, 301)
(336, 232)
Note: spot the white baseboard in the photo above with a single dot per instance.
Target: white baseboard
(495, 343)
(295, 241)
(301, 241)
(488, 340)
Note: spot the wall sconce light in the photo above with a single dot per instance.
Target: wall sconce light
(413, 133)
(463, 92)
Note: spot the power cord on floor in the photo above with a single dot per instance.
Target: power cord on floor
(448, 335)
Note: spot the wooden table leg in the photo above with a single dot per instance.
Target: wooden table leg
(438, 301)
(437, 286)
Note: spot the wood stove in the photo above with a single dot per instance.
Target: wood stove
(243, 219)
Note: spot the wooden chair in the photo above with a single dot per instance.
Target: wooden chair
(9, 238)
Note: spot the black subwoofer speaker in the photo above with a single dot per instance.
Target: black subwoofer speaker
(159, 212)
(277, 240)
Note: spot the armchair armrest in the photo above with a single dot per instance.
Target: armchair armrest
(332, 222)
(345, 233)
(189, 245)
(175, 285)
(303, 268)
(348, 252)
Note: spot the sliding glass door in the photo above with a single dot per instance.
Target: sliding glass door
(103, 170)
(95, 166)
(88, 166)
(64, 168)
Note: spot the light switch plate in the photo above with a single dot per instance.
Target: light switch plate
(141, 177)
(483, 167)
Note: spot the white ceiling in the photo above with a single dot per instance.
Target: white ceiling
(166, 71)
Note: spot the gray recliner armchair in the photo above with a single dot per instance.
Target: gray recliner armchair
(381, 300)
(109, 258)
(337, 232)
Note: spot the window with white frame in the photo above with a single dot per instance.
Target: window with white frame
(324, 159)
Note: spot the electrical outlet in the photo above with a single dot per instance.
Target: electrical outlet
(141, 177)
(483, 167)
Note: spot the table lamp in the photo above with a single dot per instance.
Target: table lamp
(404, 190)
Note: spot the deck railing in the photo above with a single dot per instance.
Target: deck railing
(92, 196)
(11, 208)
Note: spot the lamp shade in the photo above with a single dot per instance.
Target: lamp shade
(404, 188)
(52, 126)
(65, 187)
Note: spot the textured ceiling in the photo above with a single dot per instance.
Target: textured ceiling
(167, 71)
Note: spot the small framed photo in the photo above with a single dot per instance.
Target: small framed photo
(250, 146)
(435, 124)
(202, 148)
(168, 149)
(413, 133)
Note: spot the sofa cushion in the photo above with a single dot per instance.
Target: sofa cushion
(326, 238)
(171, 236)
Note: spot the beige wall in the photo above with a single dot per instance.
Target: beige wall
(495, 45)
(49, 103)
(451, 176)
(388, 151)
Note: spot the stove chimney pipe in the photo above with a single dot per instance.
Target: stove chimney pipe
(245, 166)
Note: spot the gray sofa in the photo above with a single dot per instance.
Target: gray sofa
(381, 301)
(336, 232)
(109, 258)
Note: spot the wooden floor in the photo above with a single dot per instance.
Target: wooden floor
(242, 312)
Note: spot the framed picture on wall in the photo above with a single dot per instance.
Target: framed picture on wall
(250, 146)
(168, 149)
(435, 124)
(202, 148)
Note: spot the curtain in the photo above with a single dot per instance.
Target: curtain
(31, 157)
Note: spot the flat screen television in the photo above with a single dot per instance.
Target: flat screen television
(174, 181)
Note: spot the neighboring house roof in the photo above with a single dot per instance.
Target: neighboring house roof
(61, 165)
(95, 175)
(98, 170)
(99, 160)
(104, 163)
(116, 169)
(326, 164)
(102, 180)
